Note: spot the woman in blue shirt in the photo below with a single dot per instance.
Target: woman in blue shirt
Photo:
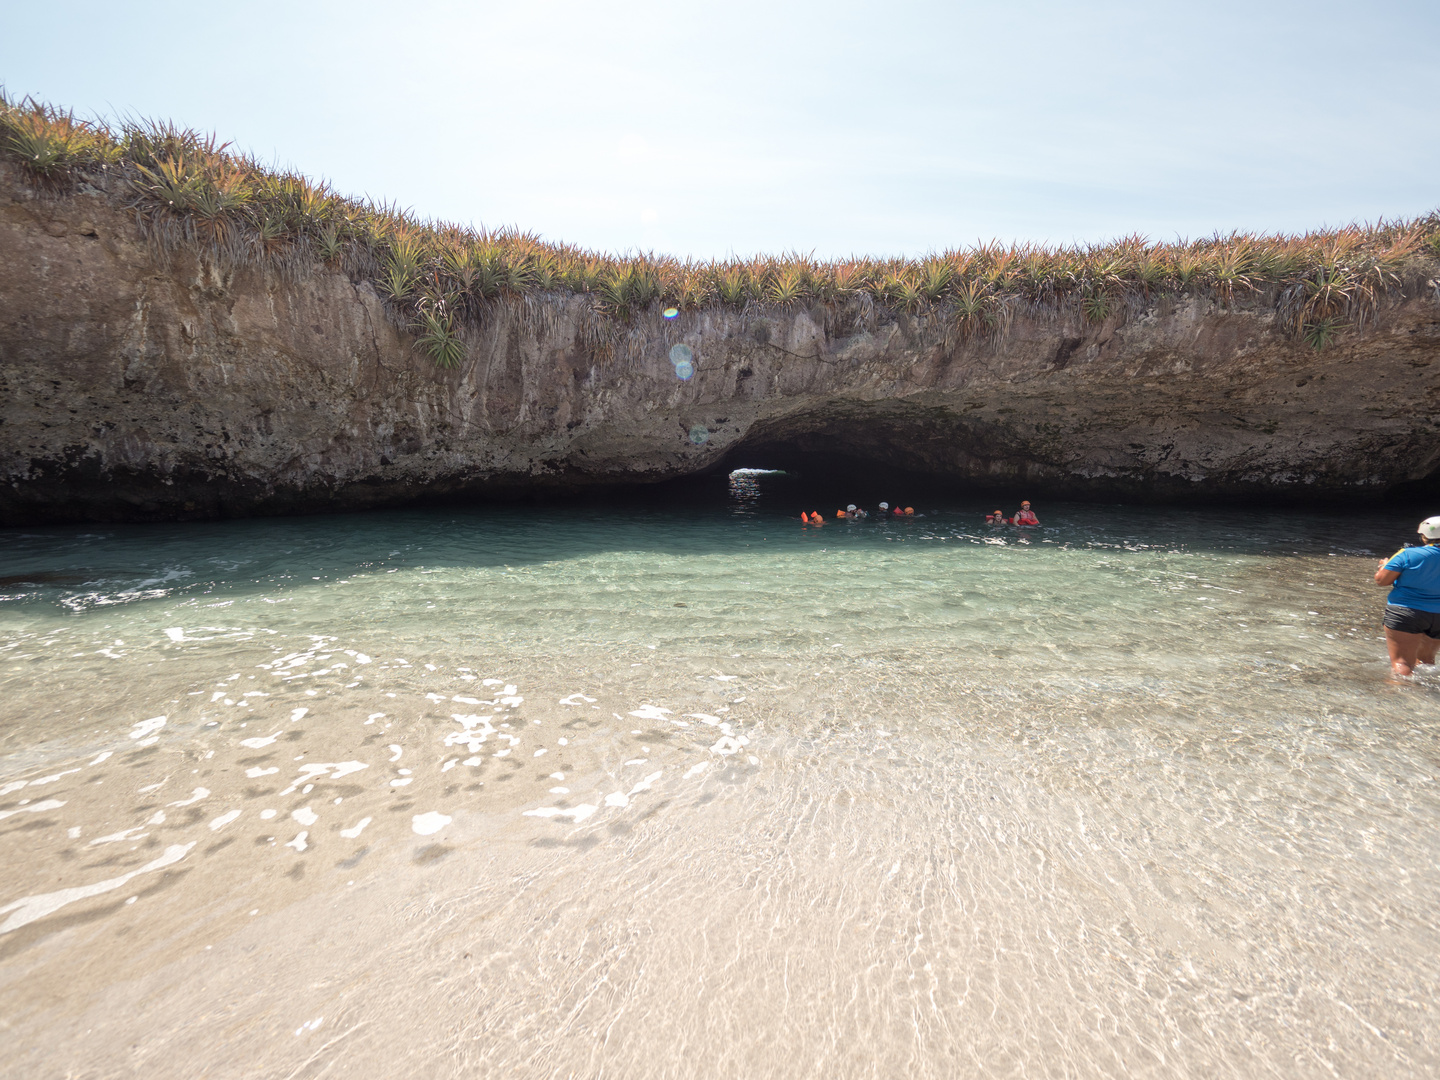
(1412, 610)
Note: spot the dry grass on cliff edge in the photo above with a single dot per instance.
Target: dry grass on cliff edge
(440, 280)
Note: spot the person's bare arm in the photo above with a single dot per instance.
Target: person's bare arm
(1385, 577)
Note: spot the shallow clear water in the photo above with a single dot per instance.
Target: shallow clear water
(1130, 794)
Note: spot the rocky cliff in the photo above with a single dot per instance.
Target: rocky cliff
(142, 386)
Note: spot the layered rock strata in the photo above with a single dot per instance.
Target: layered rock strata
(136, 386)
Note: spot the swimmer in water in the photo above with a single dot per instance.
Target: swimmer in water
(1412, 610)
(997, 518)
(1026, 516)
(884, 509)
(855, 512)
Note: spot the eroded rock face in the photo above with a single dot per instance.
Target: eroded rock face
(136, 388)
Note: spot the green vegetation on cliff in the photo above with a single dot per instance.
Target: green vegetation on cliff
(187, 190)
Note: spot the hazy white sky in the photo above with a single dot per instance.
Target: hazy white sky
(837, 127)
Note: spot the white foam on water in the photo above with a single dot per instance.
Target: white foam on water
(27, 909)
(53, 777)
(477, 730)
(299, 843)
(539, 752)
(449, 764)
(492, 682)
(559, 791)
(296, 714)
(258, 744)
(14, 785)
(430, 823)
(571, 699)
(195, 796)
(402, 781)
(305, 816)
(651, 712)
(151, 787)
(725, 745)
(47, 804)
(502, 753)
(557, 776)
(724, 678)
(466, 700)
(575, 813)
(696, 770)
(266, 815)
(356, 830)
(115, 838)
(644, 785)
(617, 798)
(157, 818)
(147, 727)
(257, 772)
(471, 761)
(512, 701)
(310, 1025)
(102, 757)
(175, 633)
(395, 749)
(705, 718)
(361, 658)
(223, 820)
(317, 769)
(635, 761)
(73, 832)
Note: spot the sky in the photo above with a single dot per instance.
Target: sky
(835, 128)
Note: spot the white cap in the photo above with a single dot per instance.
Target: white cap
(884, 506)
(850, 507)
(1430, 528)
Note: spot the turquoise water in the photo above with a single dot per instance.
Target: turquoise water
(1128, 794)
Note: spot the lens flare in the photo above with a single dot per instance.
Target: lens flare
(670, 312)
(682, 354)
(684, 370)
(699, 434)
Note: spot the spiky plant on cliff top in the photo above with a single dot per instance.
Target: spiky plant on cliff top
(188, 191)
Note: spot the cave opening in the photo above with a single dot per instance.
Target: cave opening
(825, 465)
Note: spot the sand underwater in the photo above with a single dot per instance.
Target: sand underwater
(667, 792)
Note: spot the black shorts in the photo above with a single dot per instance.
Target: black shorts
(1409, 620)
